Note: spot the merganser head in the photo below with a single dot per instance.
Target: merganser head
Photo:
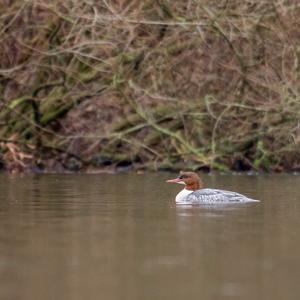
(191, 180)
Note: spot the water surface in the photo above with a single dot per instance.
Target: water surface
(123, 237)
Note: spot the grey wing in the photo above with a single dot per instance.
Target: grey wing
(215, 195)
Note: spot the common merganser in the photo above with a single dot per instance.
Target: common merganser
(194, 193)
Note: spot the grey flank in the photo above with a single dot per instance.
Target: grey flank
(216, 196)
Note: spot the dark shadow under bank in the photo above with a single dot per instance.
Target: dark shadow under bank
(74, 166)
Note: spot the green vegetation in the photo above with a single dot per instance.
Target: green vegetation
(149, 84)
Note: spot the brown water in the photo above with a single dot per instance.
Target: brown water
(123, 237)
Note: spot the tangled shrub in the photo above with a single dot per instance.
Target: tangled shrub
(151, 84)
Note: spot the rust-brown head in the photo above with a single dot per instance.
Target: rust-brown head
(191, 180)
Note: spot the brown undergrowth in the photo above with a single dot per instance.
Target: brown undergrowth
(149, 85)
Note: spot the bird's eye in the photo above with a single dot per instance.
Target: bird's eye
(182, 177)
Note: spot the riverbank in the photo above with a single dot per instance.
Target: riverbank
(149, 86)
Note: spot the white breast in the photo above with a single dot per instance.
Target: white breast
(181, 195)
